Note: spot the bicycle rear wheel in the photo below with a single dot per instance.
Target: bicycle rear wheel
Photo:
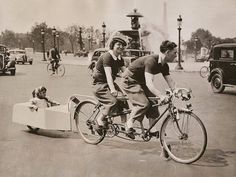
(185, 138)
(204, 71)
(60, 70)
(85, 117)
(49, 69)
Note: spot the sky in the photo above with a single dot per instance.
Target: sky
(217, 16)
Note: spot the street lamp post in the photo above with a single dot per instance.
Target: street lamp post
(195, 47)
(80, 39)
(54, 36)
(104, 34)
(58, 40)
(33, 45)
(43, 43)
(89, 42)
(179, 67)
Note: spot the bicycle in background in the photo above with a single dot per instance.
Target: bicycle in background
(59, 69)
(204, 71)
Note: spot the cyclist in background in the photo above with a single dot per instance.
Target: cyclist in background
(54, 58)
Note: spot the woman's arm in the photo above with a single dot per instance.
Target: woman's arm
(109, 79)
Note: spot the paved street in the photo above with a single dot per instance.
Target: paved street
(64, 154)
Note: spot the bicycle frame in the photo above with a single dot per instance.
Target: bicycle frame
(169, 108)
(154, 123)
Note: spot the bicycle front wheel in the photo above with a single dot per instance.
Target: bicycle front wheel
(60, 70)
(204, 71)
(184, 138)
(49, 69)
(85, 117)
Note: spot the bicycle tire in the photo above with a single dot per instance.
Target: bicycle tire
(187, 147)
(49, 69)
(60, 71)
(204, 71)
(85, 115)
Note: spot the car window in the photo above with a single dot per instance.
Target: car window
(226, 54)
(2, 49)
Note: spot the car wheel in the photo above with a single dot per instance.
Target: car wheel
(217, 83)
(13, 72)
(31, 62)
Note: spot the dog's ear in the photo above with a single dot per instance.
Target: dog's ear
(33, 93)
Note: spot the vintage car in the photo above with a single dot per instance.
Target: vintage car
(222, 67)
(81, 53)
(133, 50)
(6, 65)
(20, 56)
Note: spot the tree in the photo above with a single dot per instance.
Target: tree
(35, 35)
(204, 39)
(72, 32)
(8, 38)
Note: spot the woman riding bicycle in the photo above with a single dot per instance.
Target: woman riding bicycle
(138, 83)
(104, 75)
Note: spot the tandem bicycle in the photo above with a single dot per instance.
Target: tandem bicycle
(182, 133)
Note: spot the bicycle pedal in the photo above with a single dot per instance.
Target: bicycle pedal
(154, 134)
(122, 129)
(130, 135)
(128, 111)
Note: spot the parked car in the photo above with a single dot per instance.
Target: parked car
(6, 65)
(20, 56)
(81, 53)
(222, 67)
(133, 50)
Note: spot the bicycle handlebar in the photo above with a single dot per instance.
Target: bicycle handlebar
(183, 93)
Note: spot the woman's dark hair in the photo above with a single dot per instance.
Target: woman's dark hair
(38, 90)
(115, 40)
(167, 45)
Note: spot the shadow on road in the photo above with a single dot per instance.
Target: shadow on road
(5, 74)
(215, 158)
(51, 133)
(151, 147)
(230, 92)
